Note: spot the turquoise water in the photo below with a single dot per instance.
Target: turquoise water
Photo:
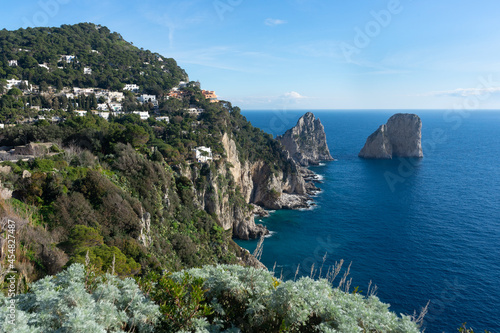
(421, 230)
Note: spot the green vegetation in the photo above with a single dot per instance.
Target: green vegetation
(74, 302)
(223, 298)
(114, 62)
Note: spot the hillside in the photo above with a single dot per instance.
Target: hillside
(113, 61)
(126, 186)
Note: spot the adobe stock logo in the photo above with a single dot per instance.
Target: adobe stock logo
(48, 9)
(224, 6)
(372, 29)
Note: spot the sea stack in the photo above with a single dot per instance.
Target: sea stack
(400, 137)
(306, 142)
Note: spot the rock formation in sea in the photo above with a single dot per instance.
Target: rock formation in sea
(306, 142)
(400, 137)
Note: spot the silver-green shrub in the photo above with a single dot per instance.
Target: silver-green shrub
(250, 300)
(63, 304)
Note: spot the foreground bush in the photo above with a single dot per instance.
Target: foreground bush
(249, 300)
(221, 298)
(71, 302)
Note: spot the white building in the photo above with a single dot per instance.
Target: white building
(115, 107)
(116, 95)
(131, 87)
(87, 70)
(102, 106)
(102, 114)
(195, 111)
(83, 91)
(146, 98)
(183, 84)
(143, 114)
(12, 63)
(163, 118)
(81, 113)
(67, 58)
(17, 83)
(44, 65)
(203, 154)
(117, 113)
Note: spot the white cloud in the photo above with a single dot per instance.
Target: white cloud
(273, 22)
(293, 95)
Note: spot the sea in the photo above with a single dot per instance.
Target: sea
(422, 230)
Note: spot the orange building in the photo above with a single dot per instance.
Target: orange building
(176, 94)
(210, 94)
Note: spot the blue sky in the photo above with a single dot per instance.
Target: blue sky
(308, 54)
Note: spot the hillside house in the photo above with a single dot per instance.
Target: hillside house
(81, 113)
(131, 87)
(83, 91)
(143, 114)
(102, 114)
(116, 96)
(210, 95)
(192, 110)
(163, 118)
(115, 107)
(17, 84)
(12, 63)
(203, 154)
(67, 58)
(147, 98)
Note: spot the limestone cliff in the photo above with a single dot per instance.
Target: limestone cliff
(260, 185)
(400, 137)
(231, 189)
(306, 142)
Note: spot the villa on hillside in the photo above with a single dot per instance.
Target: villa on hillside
(12, 63)
(163, 118)
(87, 70)
(115, 107)
(102, 114)
(203, 154)
(81, 113)
(210, 95)
(67, 58)
(17, 84)
(131, 87)
(195, 111)
(175, 93)
(144, 115)
(144, 98)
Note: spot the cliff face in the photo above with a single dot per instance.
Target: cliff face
(306, 142)
(259, 185)
(400, 137)
(234, 185)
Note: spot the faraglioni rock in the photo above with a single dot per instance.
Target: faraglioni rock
(400, 137)
(306, 142)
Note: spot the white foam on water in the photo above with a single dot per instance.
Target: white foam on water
(270, 234)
